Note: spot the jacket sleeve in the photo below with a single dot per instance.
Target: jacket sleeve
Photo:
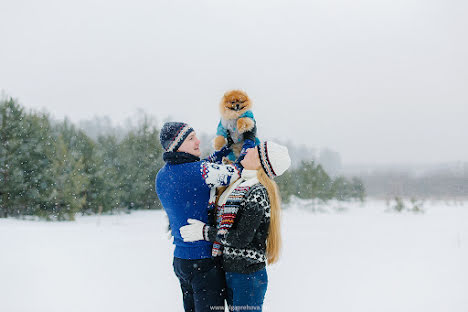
(247, 221)
(215, 175)
(217, 156)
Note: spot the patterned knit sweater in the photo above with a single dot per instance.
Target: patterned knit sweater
(244, 242)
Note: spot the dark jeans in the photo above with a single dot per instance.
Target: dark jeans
(202, 282)
(245, 292)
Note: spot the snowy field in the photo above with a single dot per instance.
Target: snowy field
(359, 260)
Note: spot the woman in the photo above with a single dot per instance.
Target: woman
(247, 234)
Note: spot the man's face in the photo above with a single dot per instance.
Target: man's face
(191, 145)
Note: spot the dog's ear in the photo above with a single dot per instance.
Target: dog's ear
(225, 112)
(245, 124)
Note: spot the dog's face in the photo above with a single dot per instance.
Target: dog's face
(234, 103)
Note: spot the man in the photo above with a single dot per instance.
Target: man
(186, 187)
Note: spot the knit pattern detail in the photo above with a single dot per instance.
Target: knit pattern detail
(251, 254)
(265, 161)
(216, 175)
(244, 246)
(226, 215)
(179, 137)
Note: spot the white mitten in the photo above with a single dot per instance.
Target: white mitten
(193, 231)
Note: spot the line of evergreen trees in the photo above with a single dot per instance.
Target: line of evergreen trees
(55, 170)
(309, 180)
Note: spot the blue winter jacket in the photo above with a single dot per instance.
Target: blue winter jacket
(184, 191)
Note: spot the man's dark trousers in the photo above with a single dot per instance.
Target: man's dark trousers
(203, 284)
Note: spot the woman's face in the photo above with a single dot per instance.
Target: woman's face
(251, 160)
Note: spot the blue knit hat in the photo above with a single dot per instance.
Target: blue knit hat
(173, 134)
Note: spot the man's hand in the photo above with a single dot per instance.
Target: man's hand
(247, 144)
(193, 231)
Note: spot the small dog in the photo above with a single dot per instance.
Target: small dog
(237, 123)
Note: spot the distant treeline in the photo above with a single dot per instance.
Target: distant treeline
(309, 180)
(441, 184)
(55, 170)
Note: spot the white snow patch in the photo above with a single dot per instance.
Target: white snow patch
(361, 260)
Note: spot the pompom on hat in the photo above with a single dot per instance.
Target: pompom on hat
(274, 158)
(173, 134)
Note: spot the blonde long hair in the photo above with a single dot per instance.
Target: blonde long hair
(273, 247)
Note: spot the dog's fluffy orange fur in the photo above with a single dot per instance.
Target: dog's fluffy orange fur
(245, 124)
(219, 142)
(233, 104)
(230, 100)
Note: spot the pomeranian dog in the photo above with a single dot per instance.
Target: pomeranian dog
(237, 122)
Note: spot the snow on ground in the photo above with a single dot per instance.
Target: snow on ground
(359, 260)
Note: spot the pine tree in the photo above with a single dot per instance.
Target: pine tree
(342, 189)
(358, 190)
(83, 148)
(24, 161)
(36, 144)
(288, 185)
(11, 174)
(345, 189)
(314, 182)
(67, 193)
(139, 161)
(105, 186)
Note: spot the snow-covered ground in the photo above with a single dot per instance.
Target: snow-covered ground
(359, 260)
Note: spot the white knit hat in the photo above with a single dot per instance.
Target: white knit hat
(274, 158)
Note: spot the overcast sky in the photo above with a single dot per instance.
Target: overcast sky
(380, 81)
